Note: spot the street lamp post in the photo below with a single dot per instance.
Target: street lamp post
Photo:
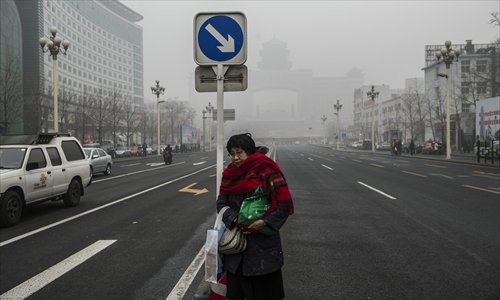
(204, 132)
(373, 94)
(338, 107)
(447, 55)
(323, 118)
(210, 110)
(53, 44)
(158, 90)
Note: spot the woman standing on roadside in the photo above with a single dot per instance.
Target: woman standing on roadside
(254, 274)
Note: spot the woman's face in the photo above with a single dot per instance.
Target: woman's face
(237, 155)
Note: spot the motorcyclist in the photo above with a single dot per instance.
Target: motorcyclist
(167, 154)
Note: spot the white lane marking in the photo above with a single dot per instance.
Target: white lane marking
(441, 175)
(436, 166)
(44, 278)
(199, 163)
(415, 174)
(310, 159)
(137, 172)
(183, 284)
(155, 164)
(327, 167)
(129, 165)
(99, 208)
(378, 191)
(356, 160)
(204, 157)
(375, 165)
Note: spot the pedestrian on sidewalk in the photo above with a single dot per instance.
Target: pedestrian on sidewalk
(412, 147)
(254, 274)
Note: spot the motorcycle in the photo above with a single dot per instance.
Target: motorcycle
(167, 157)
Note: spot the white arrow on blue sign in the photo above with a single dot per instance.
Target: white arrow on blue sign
(220, 38)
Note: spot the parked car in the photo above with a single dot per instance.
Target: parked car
(123, 152)
(37, 168)
(384, 146)
(136, 151)
(99, 160)
(356, 145)
(433, 148)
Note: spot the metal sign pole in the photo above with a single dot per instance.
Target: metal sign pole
(220, 70)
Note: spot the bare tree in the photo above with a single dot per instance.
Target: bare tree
(10, 92)
(116, 104)
(100, 113)
(132, 118)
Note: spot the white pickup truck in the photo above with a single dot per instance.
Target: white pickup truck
(36, 168)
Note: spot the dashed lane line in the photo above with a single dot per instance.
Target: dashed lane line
(376, 190)
(436, 166)
(34, 284)
(327, 167)
(480, 189)
(415, 174)
(379, 166)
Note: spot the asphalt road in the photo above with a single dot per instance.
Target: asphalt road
(367, 226)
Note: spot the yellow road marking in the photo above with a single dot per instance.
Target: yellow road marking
(196, 192)
(481, 189)
(416, 174)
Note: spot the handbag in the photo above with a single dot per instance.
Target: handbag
(232, 241)
(253, 208)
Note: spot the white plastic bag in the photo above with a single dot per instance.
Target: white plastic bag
(213, 264)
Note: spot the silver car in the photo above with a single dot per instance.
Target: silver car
(99, 160)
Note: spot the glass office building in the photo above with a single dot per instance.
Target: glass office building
(105, 54)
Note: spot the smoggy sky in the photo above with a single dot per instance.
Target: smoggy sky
(385, 39)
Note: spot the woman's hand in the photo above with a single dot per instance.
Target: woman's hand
(255, 226)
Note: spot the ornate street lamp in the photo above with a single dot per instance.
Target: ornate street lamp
(210, 110)
(158, 90)
(338, 107)
(373, 94)
(448, 56)
(52, 44)
(323, 118)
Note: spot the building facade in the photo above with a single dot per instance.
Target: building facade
(474, 76)
(105, 57)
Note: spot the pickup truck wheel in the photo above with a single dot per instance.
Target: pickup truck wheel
(72, 197)
(108, 170)
(11, 209)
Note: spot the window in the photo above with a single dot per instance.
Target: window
(72, 150)
(481, 66)
(37, 157)
(465, 66)
(54, 156)
(481, 88)
(102, 153)
(465, 88)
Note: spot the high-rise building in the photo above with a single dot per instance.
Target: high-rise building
(105, 55)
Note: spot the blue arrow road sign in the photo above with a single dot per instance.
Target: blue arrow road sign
(220, 38)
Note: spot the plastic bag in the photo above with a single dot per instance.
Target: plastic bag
(213, 263)
(254, 208)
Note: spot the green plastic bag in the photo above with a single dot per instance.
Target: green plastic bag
(253, 208)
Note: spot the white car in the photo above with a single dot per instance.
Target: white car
(36, 168)
(99, 160)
